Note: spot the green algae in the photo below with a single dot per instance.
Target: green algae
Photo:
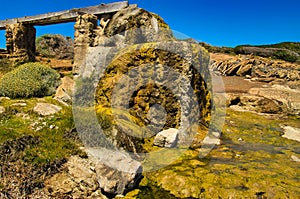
(253, 161)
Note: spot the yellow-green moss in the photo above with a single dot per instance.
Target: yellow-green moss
(248, 163)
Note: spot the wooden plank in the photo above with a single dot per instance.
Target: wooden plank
(65, 16)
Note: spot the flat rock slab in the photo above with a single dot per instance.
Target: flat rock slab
(116, 171)
(19, 104)
(291, 133)
(167, 138)
(45, 109)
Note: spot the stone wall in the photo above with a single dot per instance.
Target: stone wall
(20, 42)
(131, 25)
(85, 28)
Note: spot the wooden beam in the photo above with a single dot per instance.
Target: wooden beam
(65, 16)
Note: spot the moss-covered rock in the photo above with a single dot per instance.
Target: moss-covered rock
(140, 77)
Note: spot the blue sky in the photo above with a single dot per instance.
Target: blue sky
(217, 22)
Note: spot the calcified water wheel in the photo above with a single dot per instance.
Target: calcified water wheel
(130, 94)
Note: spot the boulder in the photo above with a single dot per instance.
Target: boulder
(162, 71)
(148, 81)
(116, 171)
(167, 138)
(45, 109)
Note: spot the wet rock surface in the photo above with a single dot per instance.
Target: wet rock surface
(248, 163)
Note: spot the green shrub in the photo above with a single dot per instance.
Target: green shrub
(5, 65)
(287, 51)
(29, 80)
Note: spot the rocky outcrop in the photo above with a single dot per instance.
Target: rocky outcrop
(262, 68)
(55, 46)
(168, 84)
(78, 180)
(283, 94)
(277, 53)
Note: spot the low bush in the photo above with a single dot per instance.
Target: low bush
(29, 80)
(271, 51)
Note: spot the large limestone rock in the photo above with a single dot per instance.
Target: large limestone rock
(117, 172)
(138, 44)
(134, 25)
(104, 172)
(179, 87)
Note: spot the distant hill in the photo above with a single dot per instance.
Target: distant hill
(287, 51)
(55, 46)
